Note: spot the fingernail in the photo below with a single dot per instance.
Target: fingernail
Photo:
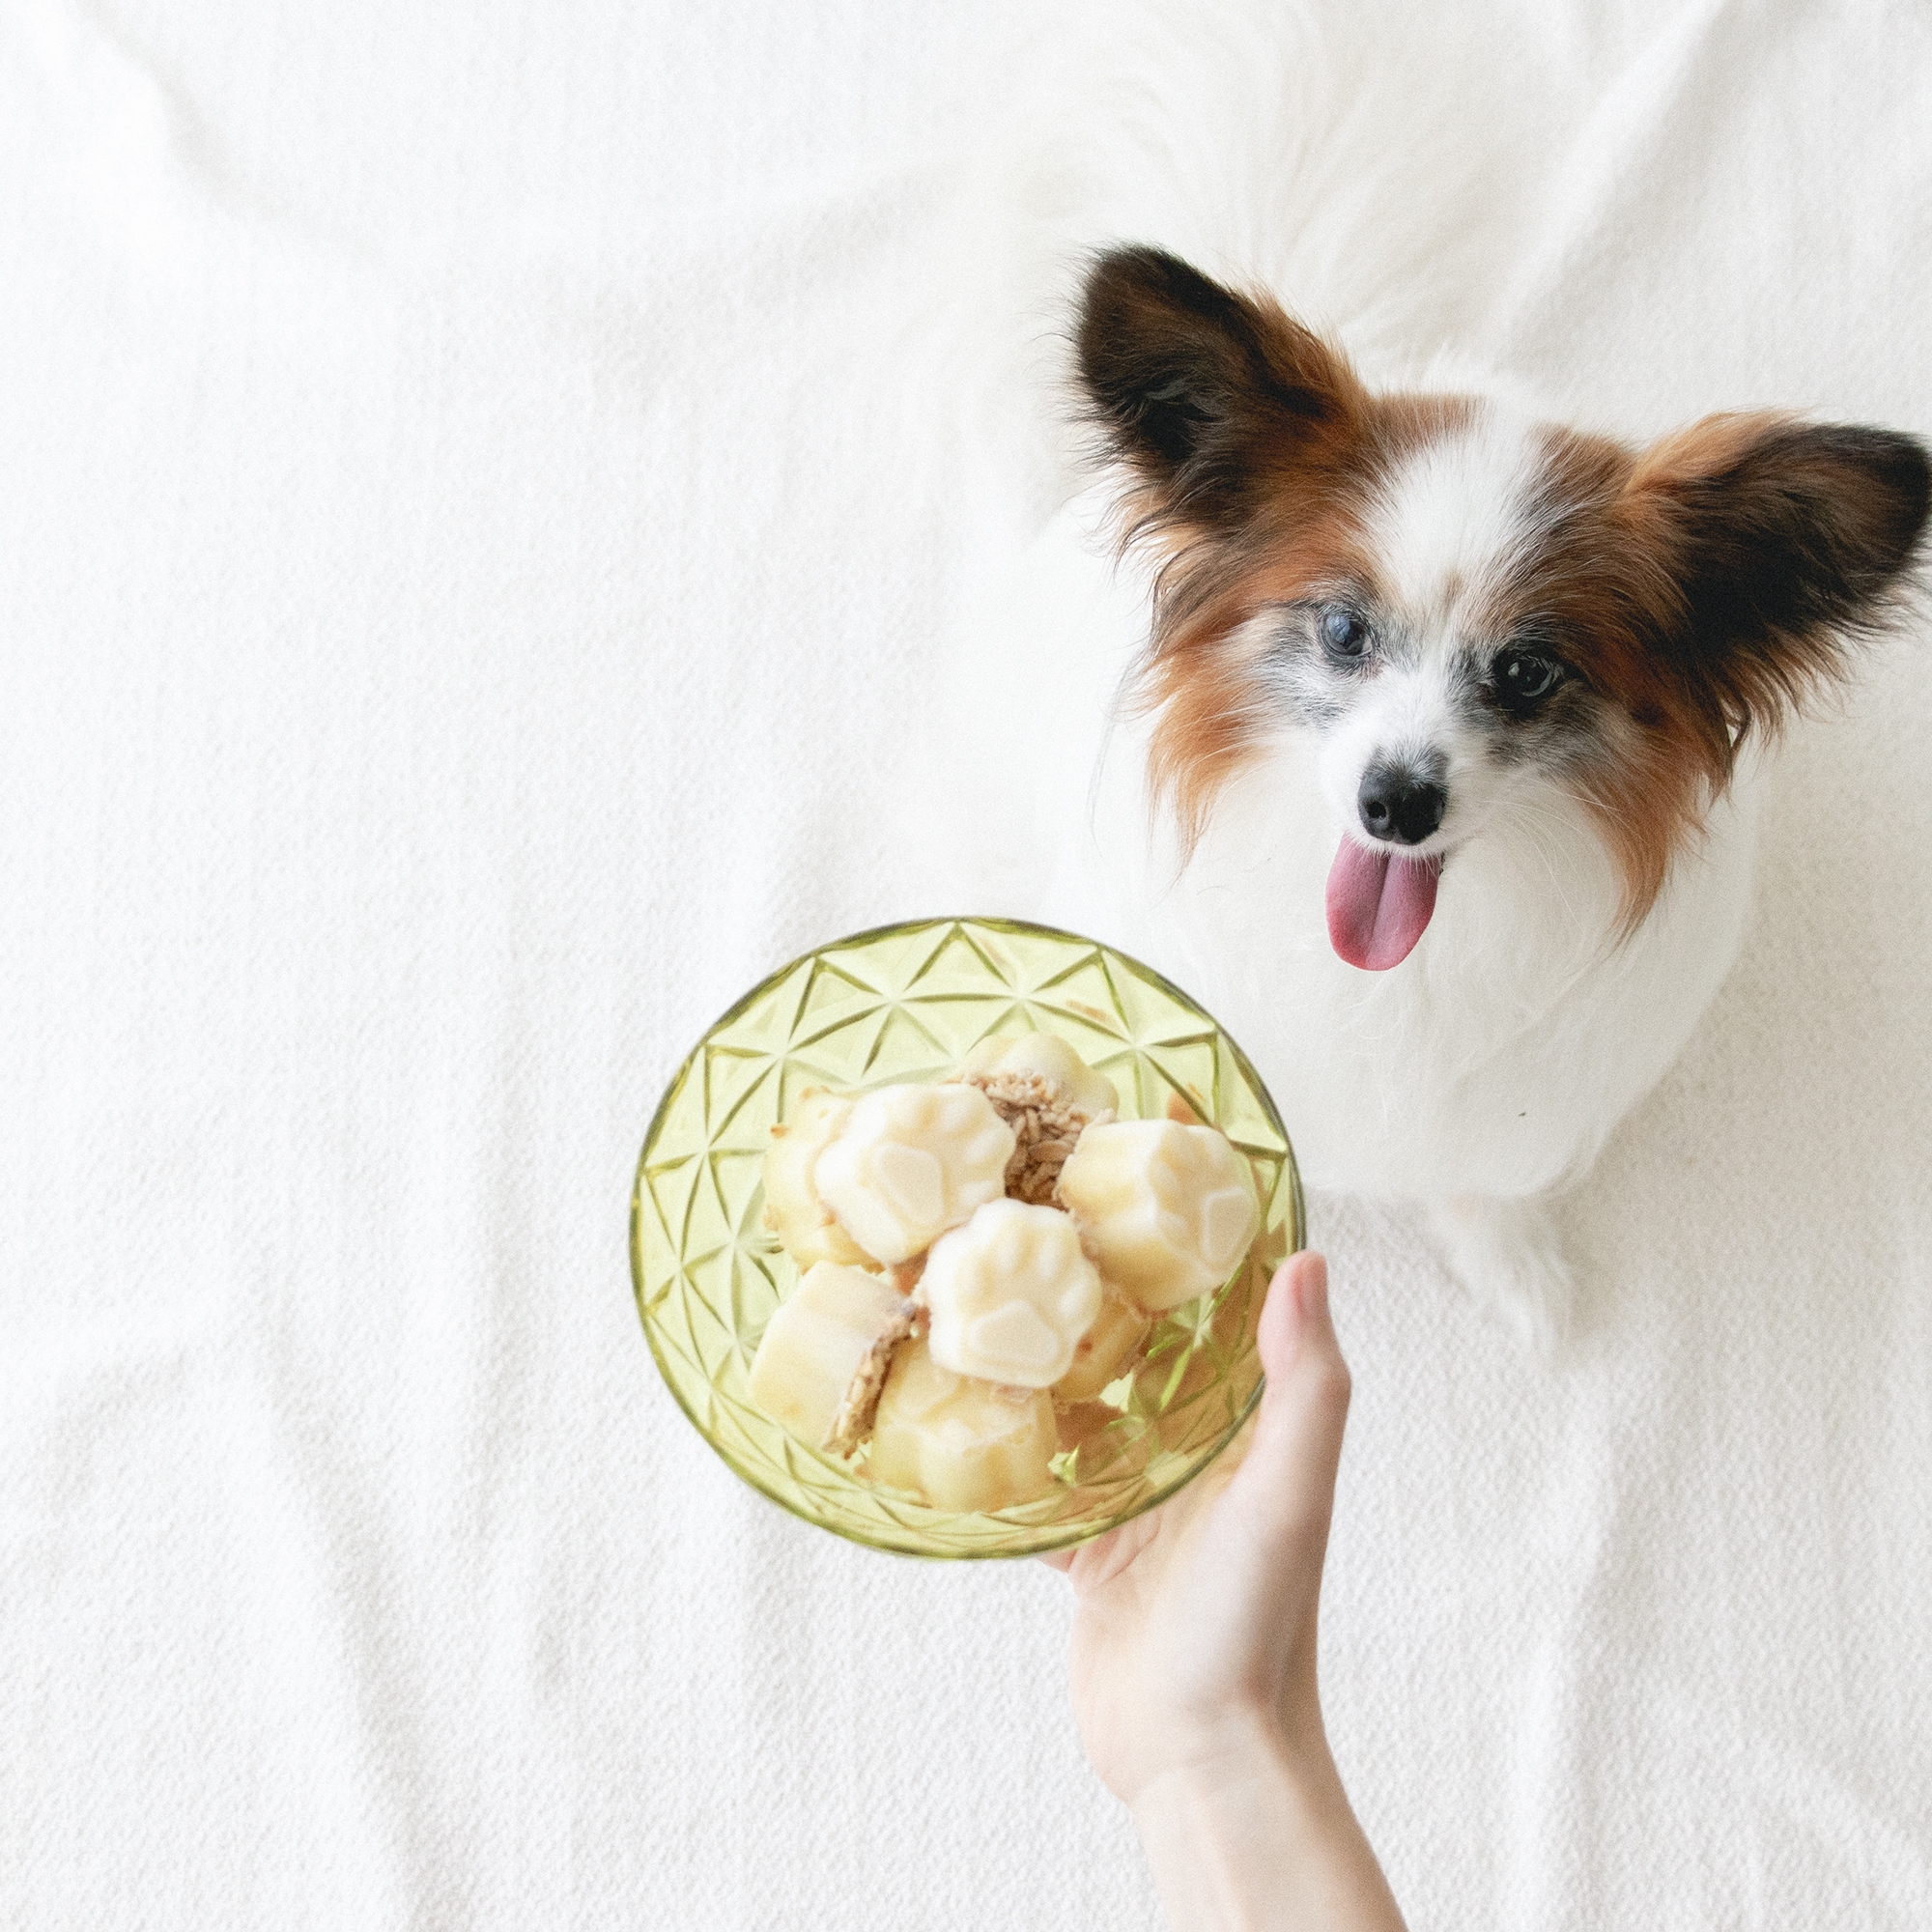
(1315, 1289)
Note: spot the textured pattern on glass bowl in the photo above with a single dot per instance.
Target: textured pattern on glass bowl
(906, 1003)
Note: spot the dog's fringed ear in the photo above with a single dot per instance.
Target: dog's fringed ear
(1779, 541)
(1208, 395)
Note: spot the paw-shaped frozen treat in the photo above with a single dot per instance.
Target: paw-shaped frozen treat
(1165, 1210)
(909, 1163)
(793, 1210)
(960, 1443)
(815, 1345)
(1011, 1294)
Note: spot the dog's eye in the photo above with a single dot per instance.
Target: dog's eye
(1526, 678)
(1343, 632)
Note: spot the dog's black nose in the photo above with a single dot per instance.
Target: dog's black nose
(1398, 806)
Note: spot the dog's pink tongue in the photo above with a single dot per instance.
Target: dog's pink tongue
(1377, 906)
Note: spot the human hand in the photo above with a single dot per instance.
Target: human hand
(1194, 1659)
(1196, 1623)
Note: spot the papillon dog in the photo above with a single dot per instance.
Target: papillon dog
(1449, 713)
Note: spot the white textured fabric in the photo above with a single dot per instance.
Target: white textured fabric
(487, 494)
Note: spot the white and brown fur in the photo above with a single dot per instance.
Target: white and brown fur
(1664, 607)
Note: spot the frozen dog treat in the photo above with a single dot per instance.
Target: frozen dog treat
(1047, 1095)
(1048, 1059)
(1010, 1296)
(793, 1210)
(1103, 1352)
(1166, 1210)
(852, 1422)
(815, 1345)
(960, 1443)
(909, 1163)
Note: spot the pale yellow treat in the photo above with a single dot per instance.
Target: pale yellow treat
(815, 1344)
(854, 1421)
(1048, 1058)
(1166, 1210)
(793, 1210)
(1011, 1294)
(1045, 1094)
(909, 1163)
(1105, 1349)
(961, 1445)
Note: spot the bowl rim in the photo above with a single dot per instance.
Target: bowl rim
(1297, 1231)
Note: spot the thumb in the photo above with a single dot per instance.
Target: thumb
(1289, 1474)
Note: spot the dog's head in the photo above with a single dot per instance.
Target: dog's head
(1461, 606)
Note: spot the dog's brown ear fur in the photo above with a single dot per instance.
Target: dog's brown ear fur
(1771, 544)
(1242, 435)
(1739, 560)
(1214, 400)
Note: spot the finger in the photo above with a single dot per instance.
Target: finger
(1307, 1368)
(1057, 1559)
(1289, 1477)
(1296, 1315)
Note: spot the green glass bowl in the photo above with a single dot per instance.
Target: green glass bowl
(905, 1002)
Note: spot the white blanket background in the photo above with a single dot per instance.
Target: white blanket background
(488, 493)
